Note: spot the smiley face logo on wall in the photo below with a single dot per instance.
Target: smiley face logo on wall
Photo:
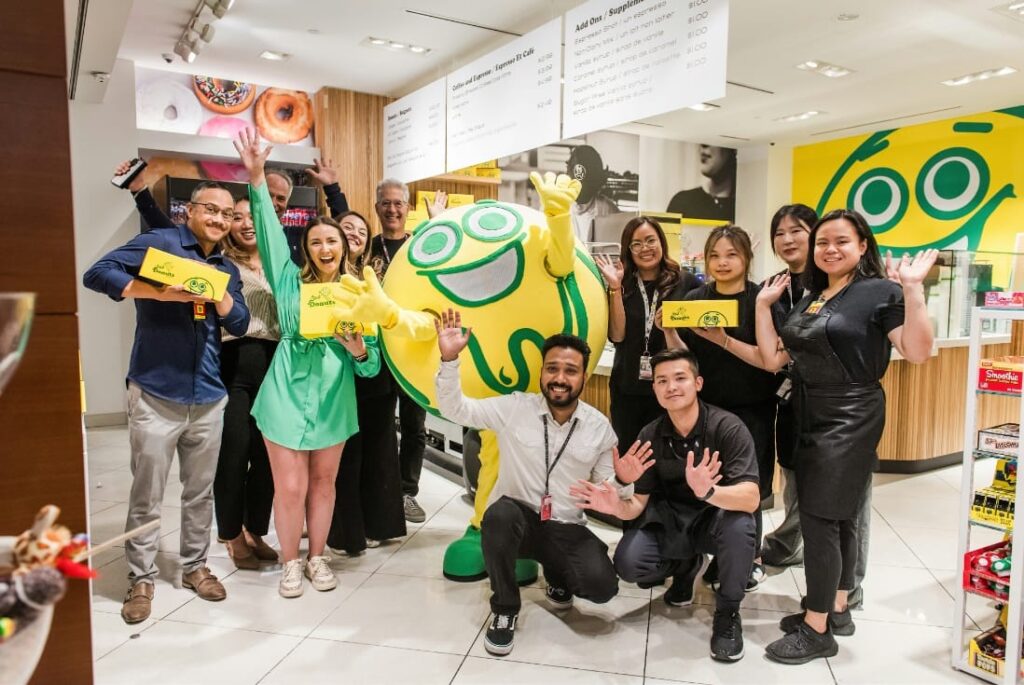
(945, 185)
(488, 261)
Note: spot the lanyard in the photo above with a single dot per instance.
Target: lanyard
(649, 308)
(384, 245)
(547, 455)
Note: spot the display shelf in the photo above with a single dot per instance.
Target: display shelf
(959, 658)
(983, 593)
(982, 454)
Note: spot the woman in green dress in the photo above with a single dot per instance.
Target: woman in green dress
(306, 407)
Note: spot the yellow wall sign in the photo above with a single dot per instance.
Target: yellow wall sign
(197, 277)
(704, 313)
(317, 302)
(950, 184)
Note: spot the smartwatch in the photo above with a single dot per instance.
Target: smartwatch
(708, 495)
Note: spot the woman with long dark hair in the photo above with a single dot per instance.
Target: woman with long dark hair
(734, 376)
(644, 277)
(368, 503)
(839, 337)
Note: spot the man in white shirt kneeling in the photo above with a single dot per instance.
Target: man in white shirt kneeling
(547, 442)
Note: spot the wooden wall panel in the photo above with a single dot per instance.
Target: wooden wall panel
(350, 132)
(37, 234)
(41, 451)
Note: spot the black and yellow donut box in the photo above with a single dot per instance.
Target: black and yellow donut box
(317, 304)
(196, 277)
(700, 313)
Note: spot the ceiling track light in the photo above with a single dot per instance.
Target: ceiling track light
(187, 49)
(802, 116)
(204, 31)
(979, 76)
(218, 7)
(703, 107)
(824, 68)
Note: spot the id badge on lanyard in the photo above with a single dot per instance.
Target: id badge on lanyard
(199, 311)
(650, 307)
(545, 500)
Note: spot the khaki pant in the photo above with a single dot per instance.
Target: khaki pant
(157, 428)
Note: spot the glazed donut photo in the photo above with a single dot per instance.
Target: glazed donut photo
(223, 95)
(166, 105)
(283, 116)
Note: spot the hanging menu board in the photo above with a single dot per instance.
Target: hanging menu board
(414, 134)
(507, 101)
(630, 59)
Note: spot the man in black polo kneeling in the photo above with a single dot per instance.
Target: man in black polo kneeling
(697, 499)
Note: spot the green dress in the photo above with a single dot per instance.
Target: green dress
(308, 398)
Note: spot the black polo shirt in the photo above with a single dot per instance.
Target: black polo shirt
(717, 430)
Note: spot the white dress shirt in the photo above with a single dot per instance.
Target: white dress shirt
(518, 422)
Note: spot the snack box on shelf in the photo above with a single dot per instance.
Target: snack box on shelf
(987, 571)
(993, 505)
(1005, 477)
(1001, 374)
(1004, 299)
(987, 651)
(1001, 439)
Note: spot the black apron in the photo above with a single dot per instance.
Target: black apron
(838, 421)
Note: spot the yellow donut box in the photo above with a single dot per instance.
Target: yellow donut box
(197, 278)
(702, 313)
(317, 302)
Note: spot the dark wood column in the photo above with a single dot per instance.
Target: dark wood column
(41, 452)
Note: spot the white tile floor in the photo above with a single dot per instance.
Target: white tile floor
(394, 619)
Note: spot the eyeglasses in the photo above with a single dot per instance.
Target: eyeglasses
(228, 214)
(388, 204)
(646, 244)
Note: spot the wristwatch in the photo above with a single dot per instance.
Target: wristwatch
(708, 495)
(619, 482)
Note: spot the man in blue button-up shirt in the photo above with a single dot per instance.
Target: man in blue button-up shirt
(175, 395)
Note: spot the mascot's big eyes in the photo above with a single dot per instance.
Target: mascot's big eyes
(881, 196)
(491, 222)
(435, 244)
(952, 183)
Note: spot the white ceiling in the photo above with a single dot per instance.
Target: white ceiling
(900, 50)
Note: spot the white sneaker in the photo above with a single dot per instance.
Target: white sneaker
(291, 579)
(320, 574)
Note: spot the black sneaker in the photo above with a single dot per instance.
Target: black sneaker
(727, 636)
(802, 645)
(558, 598)
(839, 622)
(757, 576)
(501, 634)
(683, 588)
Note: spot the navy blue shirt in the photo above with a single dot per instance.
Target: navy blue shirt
(174, 357)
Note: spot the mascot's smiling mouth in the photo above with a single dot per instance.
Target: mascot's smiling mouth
(483, 281)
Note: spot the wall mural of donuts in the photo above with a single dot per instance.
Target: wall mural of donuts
(220, 108)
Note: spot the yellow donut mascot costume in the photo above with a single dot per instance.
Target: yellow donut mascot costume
(518, 276)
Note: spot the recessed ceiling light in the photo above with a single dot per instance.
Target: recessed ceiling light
(824, 68)
(395, 45)
(848, 16)
(1013, 10)
(313, 31)
(274, 56)
(799, 117)
(378, 41)
(703, 107)
(417, 49)
(979, 76)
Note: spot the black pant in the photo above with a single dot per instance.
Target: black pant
(729, 535)
(760, 421)
(830, 559)
(630, 413)
(573, 558)
(243, 489)
(414, 441)
(368, 489)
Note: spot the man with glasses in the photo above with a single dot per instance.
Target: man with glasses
(392, 208)
(176, 397)
(697, 498)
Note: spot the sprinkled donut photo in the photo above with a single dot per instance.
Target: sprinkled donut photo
(222, 95)
(283, 116)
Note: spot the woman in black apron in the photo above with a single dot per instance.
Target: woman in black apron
(839, 338)
(643, 278)
(730, 363)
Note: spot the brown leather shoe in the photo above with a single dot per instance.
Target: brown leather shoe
(204, 584)
(261, 549)
(137, 603)
(240, 553)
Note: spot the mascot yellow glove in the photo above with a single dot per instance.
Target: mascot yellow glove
(370, 304)
(557, 193)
